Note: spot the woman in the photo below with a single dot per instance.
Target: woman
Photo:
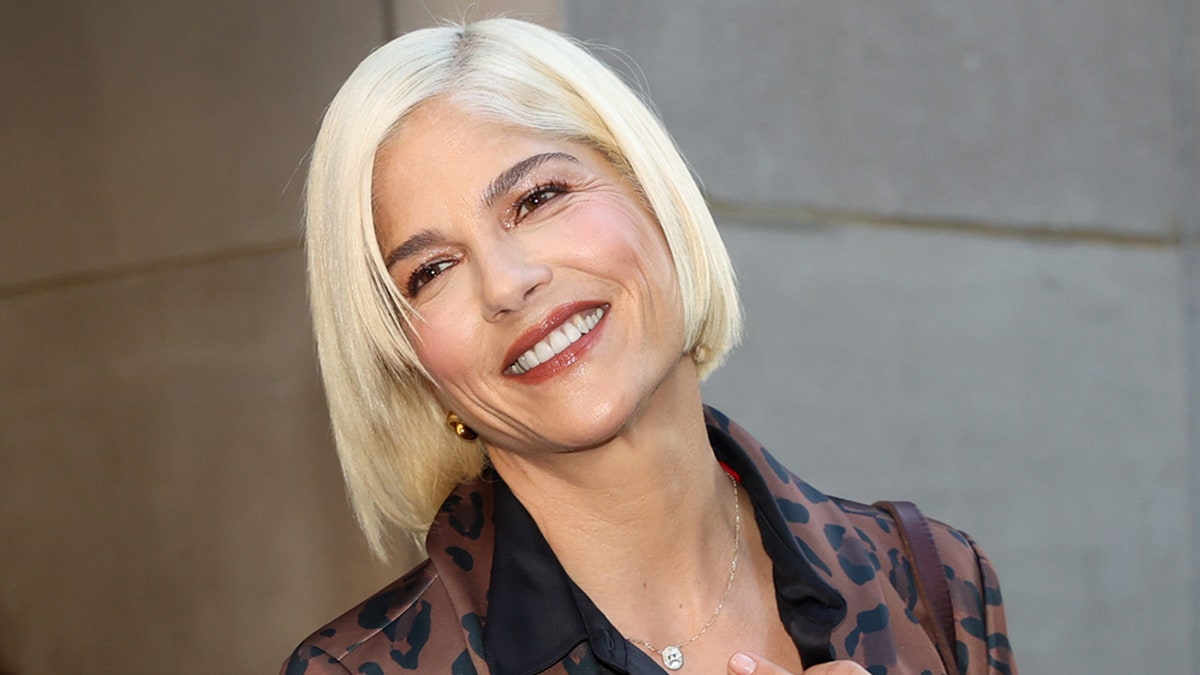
(517, 289)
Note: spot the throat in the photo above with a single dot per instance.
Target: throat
(672, 651)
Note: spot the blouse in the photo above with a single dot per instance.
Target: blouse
(493, 598)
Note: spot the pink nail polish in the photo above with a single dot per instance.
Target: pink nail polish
(742, 664)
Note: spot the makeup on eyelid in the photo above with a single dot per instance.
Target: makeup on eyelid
(524, 206)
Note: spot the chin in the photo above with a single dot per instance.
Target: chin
(598, 424)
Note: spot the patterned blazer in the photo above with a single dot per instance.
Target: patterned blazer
(492, 597)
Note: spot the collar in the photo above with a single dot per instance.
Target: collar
(537, 616)
(808, 606)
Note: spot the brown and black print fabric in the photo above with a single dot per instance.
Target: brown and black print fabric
(433, 619)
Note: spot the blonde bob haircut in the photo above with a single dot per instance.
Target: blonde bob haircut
(399, 458)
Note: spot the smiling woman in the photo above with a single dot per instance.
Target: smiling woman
(516, 289)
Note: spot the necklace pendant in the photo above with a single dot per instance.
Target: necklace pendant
(672, 658)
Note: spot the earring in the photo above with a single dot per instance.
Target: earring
(460, 428)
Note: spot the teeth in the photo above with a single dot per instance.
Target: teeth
(571, 331)
(580, 324)
(559, 339)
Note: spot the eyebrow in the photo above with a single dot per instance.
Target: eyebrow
(410, 247)
(513, 174)
(501, 184)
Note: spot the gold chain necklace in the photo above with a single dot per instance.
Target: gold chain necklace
(672, 655)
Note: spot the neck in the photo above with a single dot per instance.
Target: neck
(644, 521)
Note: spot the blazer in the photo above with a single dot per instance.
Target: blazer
(492, 597)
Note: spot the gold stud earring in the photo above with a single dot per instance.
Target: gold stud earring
(460, 428)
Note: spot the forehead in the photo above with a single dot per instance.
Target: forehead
(442, 158)
(441, 155)
(440, 137)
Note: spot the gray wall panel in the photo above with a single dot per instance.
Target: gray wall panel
(1054, 114)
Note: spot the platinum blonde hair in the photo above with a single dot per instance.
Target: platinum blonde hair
(398, 456)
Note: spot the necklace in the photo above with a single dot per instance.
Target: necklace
(672, 655)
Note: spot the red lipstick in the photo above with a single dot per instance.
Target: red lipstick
(554, 342)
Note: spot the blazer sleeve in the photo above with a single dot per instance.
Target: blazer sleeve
(981, 631)
(310, 660)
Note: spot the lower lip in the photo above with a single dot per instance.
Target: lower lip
(565, 359)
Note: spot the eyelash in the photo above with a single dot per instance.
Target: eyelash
(533, 200)
(425, 274)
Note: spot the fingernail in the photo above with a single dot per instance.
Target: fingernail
(741, 664)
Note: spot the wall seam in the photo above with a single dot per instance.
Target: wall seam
(389, 19)
(772, 216)
(145, 268)
(1185, 135)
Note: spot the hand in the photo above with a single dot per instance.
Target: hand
(752, 664)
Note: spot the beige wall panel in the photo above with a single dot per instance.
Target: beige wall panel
(138, 130)
(409, 14)
(171, 502)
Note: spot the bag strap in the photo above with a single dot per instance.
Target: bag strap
(933, 588)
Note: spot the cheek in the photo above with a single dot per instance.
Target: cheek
(630, 243)
(445, 343)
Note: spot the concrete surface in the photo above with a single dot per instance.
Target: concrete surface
(1049, 114)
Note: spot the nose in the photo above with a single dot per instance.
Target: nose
(509, 275)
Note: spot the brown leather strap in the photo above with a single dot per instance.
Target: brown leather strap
(932, 585)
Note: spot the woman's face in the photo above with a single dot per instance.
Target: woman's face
(548, 311)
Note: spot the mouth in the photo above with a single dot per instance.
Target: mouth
(556, 341)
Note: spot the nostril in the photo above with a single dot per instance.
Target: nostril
(509, 284)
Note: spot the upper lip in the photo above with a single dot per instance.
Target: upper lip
(538, 332)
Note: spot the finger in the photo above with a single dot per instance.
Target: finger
(743, 663)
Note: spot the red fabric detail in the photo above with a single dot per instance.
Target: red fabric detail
(730, 471)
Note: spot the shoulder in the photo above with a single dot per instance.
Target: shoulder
(840, 536)
(396, 629)
(959, 553)
(857, 549)
(965, 563)
(979, 623)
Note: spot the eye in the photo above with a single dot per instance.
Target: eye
(536, 198)
(425, 274)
